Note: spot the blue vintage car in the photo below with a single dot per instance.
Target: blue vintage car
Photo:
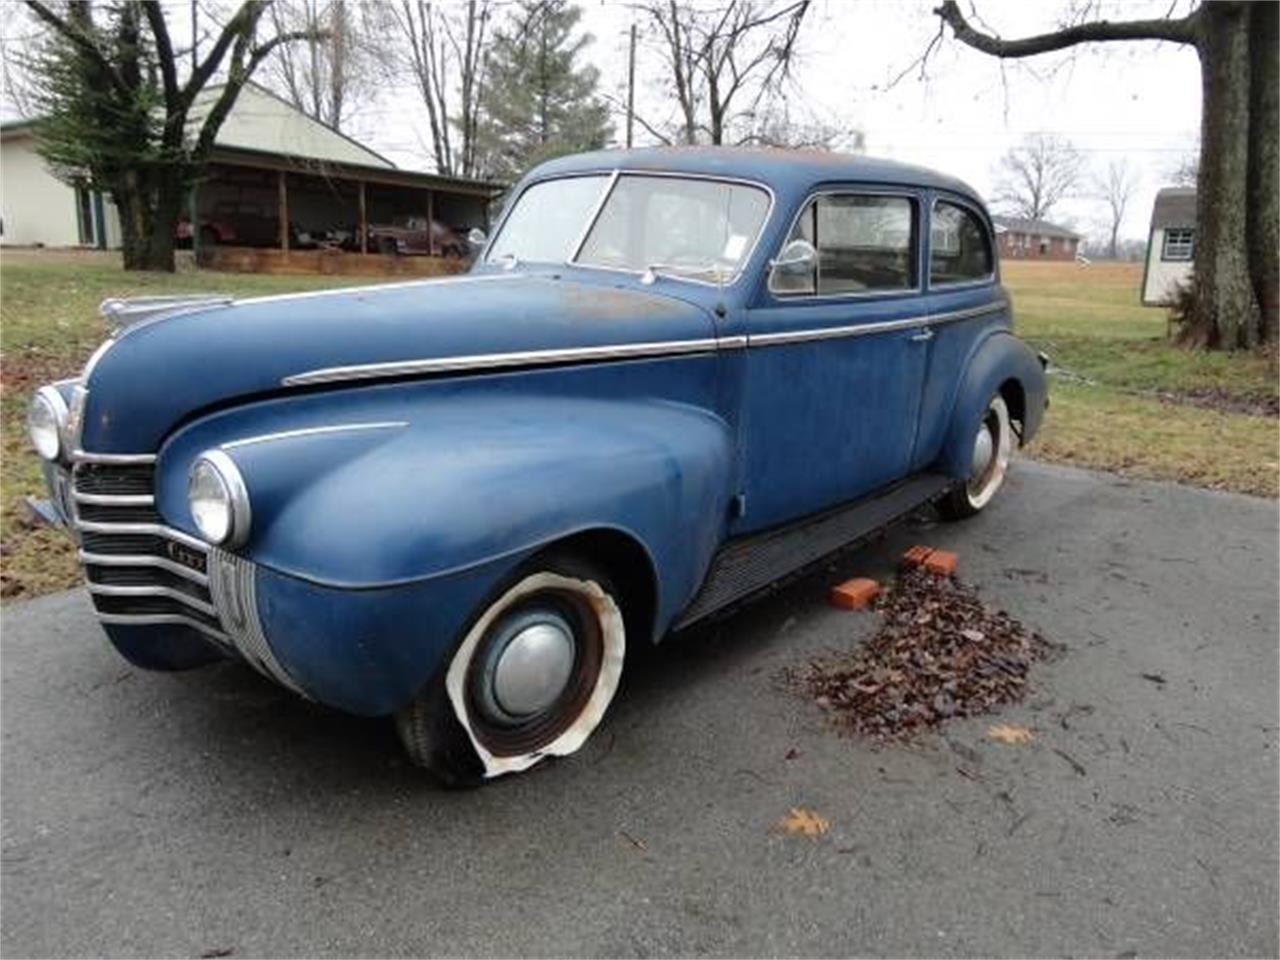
(673, 377)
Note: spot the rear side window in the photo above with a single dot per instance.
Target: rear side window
(959, 251)
(865, 243)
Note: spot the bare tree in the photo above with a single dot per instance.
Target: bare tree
(443, 51)
(118, 115)
(1114, 187)
(326, 79)
(726, 63)
(1186, 171)
(1235, 299)
(1036, 175)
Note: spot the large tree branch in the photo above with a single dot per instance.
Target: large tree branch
(79, 39)
(238, 28)
(164, 53)
(1094, 31)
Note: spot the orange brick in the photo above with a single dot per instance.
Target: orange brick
(941, 561)
(916, 556)
(854, 594)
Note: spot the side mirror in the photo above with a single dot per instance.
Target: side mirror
(476, 238)
(792, 270)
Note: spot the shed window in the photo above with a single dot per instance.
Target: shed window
(1179, 243)
(959, 251)
(865, 242)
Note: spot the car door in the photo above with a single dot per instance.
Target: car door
(836, 357)
(965, 299)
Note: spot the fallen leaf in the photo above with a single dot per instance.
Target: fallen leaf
(1010, 733)
(800, 820)
(634, 841)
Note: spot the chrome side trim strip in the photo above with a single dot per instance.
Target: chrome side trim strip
(116, 499)
(628, 351)
(312, 431)
(84, 456)
(155, 529)
(151, 590)
(866, 329)
(140, 560)
(147, 619)
(500, 361)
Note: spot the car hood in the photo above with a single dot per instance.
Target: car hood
(161, 372)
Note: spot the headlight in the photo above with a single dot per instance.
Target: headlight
(46, 419)
(218, 499)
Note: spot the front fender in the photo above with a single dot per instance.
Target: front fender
(469, 479)
(998, 359)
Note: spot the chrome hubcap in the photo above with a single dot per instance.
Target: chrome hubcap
(533, 667)
(984, 449)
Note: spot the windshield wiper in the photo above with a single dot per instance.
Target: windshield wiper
(676, 271)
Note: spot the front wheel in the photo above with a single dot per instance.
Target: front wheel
(992, 449)
(532, 678)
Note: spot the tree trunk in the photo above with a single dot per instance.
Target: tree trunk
(148, 217)
(1224, 314)
(1263, 206)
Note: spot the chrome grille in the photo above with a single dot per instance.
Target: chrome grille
(138, 570)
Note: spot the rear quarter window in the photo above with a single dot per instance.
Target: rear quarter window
(959, 247)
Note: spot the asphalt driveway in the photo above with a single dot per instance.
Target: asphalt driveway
(208, 811)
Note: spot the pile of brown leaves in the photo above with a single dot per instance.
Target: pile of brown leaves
(939, 653)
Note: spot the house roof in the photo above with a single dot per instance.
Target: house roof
(264, 130)
(1040, 228)
(1174, 207)
(265, 122)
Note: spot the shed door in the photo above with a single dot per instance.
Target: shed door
(836, 361)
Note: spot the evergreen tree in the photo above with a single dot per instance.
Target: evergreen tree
(537, 102)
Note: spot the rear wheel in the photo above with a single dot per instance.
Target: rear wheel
(532, 678)
(992, 450)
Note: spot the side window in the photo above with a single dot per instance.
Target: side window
(865, 243)
(959, 250)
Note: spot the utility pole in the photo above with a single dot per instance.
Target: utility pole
(631, 86)
(193, 204)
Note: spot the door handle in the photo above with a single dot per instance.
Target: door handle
(924, 336)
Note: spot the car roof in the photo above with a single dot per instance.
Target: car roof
(781, 169)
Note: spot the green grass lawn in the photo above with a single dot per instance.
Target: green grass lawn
(1124, 399)
(49, 325)
(1127, 399)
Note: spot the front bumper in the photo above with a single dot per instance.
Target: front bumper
(169, 601)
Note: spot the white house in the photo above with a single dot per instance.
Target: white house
(271, 165)
(1171, 245)
(36, 208)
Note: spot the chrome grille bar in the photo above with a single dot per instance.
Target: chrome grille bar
(140, 560)
(110, 590)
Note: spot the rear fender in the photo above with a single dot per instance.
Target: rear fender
(999, 358)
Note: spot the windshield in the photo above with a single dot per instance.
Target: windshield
(698, 229)
(548, 220)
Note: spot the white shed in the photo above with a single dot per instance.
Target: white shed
(1171, 245)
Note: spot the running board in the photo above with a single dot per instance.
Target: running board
(752, 563)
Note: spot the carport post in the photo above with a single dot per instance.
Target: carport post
(364, 222)
(284, 212)
(431, 219)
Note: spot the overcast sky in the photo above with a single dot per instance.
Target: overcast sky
(1138, 100)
